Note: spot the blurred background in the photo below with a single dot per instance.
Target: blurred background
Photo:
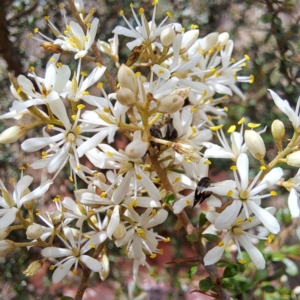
(268, 31)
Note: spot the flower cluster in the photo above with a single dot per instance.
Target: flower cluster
(168, 102)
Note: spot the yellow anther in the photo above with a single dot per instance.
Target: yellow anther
(194, 129)
(244, 64)
(12, 180)
(233, 168)
(52, 59)
(249, 219)
(131, 5)
(239, 221)
(103, 195)
(169, 14)
(194, 26)
(108, 153)
(137, 74)
(88, 25)
(140, 231)
(207, 162)
(59, 64)
(22, 168)
(134, 202)
(251, 78)
(71, 178)
(177, 179)
(121, 12)
(247, 57)
(31, 69)
(77, 130)
(51, 267)
(200, 51)
(36, 30)
(232, 60)
(241, 121)
(82, 73)
(28, 165)
(212, 70)
(85, 38)
(273, 193)
(161, 72)
(161, 251)
(215, 128)
(153, 255)
(118, 85)
(194, 109)
(92, 246)
(242, 261)
(263, 168)
(229, 193)
(99, 85)
(29, 35)
(98, 64)
(73, 117)
(253, 125)
(188, 202)
(167, 240)
(141, 11)
(106, 110)
(221, 244)
(226, 108)
(61, 6)
(231, 129)
(19, 90)
(154, 2)
(44, 154)
(74, 272)
(138, 177)
(153, 212)
(270, 238)
(80, 106)
(129, 206)
(46, 18)
(78, 168)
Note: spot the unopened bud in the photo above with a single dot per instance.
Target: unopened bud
(33, 268)
(223, 38)
(57, 217)
(278, 130)
(105, 267)
(127, 78)
(120, 231)
(209, 41)
(79, 6)
(12, 134)
(126, 96)
(6, 246)
(167, 36)
(255, 144)
(188, 40)
(52, 48)
(34, 231)
(136, 149)
(170, 104)
(293, 159)
(4, 232)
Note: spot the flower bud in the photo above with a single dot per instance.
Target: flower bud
(4, 232)
(126, 96)
(293, 159)
(188, 40)
(120, 231)
(278, 130)
(167, 36)
(52, 48)
(255, 144)
(34, 231)
(6, 246)
(170, 104)
(223, 38)
(105, 267)
(79, 6)
(57, 217)
(136, 149)
(33, 268)
(209, 41)
(12, 134)
(127, 79)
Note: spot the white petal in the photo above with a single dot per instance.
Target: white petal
(62, 270)
(59, 158)
(243, 169)
(35, 144)
(159, 218)
(58, 108)
(8, 218)
(92, 263)
(56, 252)
(253, 252)
(114, 221)
(266, 218)
(228, 215)
(293, 203)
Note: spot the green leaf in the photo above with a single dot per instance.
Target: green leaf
(202, 219)
(277, 256)
(268, 288)
(211, 237)
(261, 275)
(192, 271)
(206, 284)
(276, 275)
(230, 271)
(227, 285)
(290, 250)
(192, 238)
(266, 18)
(169, 198)
(291, 267)
(277, 22)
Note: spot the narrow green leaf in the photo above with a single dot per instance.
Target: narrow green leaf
(211, 237)
(202, 219)
(206, 284)
(169, 198)
(230, 271)
(268, 288)
(192, 271)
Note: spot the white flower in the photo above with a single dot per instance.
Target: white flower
(75, 40)
(246, 196)
(285, 107)
(12, 203)
(73, 254)
(237, 233)
(293, 200)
